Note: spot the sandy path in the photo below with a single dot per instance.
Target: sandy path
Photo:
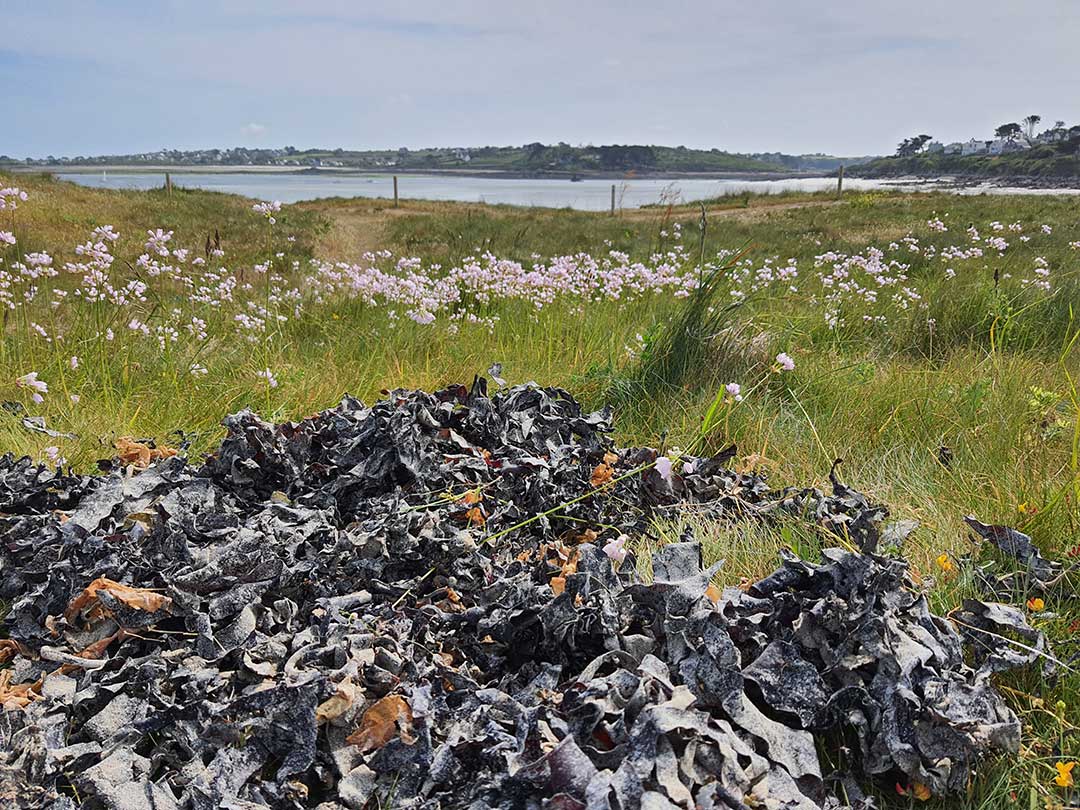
(360, 225)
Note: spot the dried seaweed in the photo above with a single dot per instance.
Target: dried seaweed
(412, 602)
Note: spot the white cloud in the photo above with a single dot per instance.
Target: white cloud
(847, 76)
(253, 130)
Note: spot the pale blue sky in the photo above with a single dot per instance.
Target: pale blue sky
(848, 77)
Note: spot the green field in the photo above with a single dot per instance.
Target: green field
(964, 352)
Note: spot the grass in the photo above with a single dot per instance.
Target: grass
(992, 382)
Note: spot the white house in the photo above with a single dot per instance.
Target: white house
(935, 148)
(1052, 135)
(954, 148)
(973, 147)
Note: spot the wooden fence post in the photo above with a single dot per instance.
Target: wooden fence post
(840, 181)
(395, 191)
(168, 183)
(613, 199)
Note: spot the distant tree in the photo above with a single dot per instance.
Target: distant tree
(1059, 125)
(1030, 123)
(626, 157)
(1009, 131)
(912, 146)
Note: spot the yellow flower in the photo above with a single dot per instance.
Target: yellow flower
(944, 563)
(1064, 777)
(1036, 604)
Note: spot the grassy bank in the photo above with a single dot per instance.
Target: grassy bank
(928, 354)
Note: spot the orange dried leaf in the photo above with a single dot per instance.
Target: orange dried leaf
(601, 475)
(136, 598)
(9, 648)
(588, 536)
(472, 497)
(385, 719)
(138, 454)
(338, 703)
(713, 593)
(610, 458)
(558, 585)
(566, 558)
(920, 791)
(475, 516)
(19, 695)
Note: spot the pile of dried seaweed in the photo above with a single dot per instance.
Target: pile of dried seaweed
(356, 610)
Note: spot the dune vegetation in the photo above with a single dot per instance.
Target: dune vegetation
(927, 340)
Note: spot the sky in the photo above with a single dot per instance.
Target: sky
(850, 77)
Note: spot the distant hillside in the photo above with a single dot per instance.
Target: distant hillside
(1048, 162)
(812, 163)
(535, 159)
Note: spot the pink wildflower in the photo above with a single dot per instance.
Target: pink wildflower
(267, 375)
(616, 549)
(32, 382)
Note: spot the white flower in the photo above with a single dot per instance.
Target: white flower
(733, 390)
(74, 399)
(74, 361)
(785, 361)
(663, 466)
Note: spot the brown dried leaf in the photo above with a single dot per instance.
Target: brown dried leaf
(19, 695)
(338, 703)
(93, 651)
(588, 536)
(384, 720)
(136, 598)
(475, 516)
(139, 455)
(558, 585)
(9, 648)
(921, 791)
(601, 475)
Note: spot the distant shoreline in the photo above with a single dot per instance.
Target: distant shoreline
(972, 180)
(500, 174)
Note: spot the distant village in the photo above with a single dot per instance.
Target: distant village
(242, 156)
(1008, 138)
